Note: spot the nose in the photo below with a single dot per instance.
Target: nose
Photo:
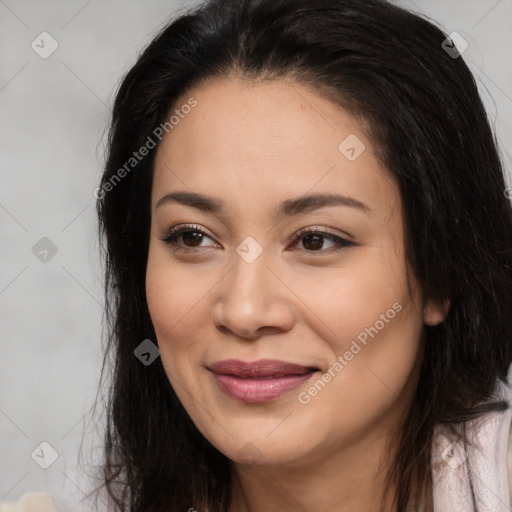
(253, 300)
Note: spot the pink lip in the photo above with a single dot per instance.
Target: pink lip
(258, 381)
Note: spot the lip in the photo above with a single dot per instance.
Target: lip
(259, 381)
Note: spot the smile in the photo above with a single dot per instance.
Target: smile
(258, 381)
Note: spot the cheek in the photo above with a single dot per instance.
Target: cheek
(171, 292)
(373, 327)
(367, 291)
(177, 302)
(370, 367)
(178, 305)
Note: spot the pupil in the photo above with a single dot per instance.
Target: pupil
(317, 244)
(193, 236)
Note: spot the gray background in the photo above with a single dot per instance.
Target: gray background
(53, 116)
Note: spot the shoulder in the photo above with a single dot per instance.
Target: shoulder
(487, 477)
(30, 502)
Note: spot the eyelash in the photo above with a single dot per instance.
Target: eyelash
(174, 232)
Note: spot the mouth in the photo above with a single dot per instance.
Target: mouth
(259, 381)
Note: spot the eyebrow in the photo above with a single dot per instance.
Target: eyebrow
(295, 206)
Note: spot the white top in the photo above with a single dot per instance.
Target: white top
(490, 461)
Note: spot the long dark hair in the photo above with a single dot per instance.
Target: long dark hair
(421, 107)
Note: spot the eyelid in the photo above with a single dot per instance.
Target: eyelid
(309, 229)
(177, 229)
(342, 242)
(321, 229)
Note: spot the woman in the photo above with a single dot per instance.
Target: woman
(308, 252)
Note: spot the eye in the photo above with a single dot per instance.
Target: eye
(313, 240)
(192, 237)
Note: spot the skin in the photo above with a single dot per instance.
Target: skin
(251, 147)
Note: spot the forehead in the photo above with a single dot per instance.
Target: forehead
(270, 141)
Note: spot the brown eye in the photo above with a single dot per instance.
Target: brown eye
(192, 237)
(314, 241)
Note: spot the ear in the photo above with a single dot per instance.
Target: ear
(435, 312)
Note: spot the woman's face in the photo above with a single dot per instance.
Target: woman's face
(267, 162)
